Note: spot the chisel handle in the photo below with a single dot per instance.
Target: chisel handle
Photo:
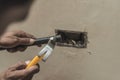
(35, 60)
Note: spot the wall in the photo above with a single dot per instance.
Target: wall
(100, 18)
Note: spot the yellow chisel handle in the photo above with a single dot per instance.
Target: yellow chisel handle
(35, 60)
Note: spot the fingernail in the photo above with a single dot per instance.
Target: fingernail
(27, 62)
(32, 41)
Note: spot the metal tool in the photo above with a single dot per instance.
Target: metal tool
(44, 53)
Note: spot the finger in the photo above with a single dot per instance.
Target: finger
(26, 41)
(23, 34)
(15, 49)
(18, 66)
(26, 72)
(12, 50)
(21, 49)
(9, 41)
(34, 69)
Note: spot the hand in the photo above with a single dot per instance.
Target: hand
(18, 72)
(13, 39)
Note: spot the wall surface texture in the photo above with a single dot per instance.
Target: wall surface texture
(100, 18)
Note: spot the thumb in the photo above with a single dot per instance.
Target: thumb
(26, 41)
